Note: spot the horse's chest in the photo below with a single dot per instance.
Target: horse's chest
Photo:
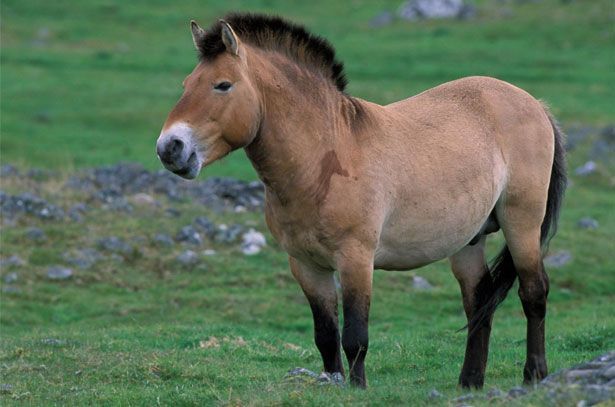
(301, 235)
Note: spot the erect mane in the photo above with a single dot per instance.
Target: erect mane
(275, 33)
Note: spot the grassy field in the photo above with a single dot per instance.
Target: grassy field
(91, 84)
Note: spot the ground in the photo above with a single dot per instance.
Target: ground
(88, 86)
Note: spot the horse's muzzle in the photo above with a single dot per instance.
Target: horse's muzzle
(177, 152)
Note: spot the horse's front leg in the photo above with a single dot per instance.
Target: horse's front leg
(356, 271)
(319, 288)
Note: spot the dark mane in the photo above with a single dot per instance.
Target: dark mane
(275, 33)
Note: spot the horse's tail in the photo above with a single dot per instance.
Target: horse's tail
(494, 286)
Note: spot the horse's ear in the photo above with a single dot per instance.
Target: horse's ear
(229, 38)
(197, 33)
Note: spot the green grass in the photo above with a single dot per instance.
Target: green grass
(91, 83)
(136, 332)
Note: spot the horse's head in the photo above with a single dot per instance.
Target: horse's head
(219, 110)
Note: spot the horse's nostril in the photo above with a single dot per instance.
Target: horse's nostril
(171, 151)
(176, 146)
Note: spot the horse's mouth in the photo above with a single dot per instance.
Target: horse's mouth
(190, 170)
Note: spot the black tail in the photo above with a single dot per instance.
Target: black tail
(494, 286)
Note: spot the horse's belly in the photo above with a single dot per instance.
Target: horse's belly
(414, 236)
(407, 252)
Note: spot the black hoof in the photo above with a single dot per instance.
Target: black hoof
(472, 381)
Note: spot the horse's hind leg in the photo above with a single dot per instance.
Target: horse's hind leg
(319, 288)
(469, 268)
(521, 227)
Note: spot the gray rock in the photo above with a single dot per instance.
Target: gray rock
(421, 284)
(301, 371)
(575, 375)
(12, 261)
(8, 170)
(188, 234)
(383, 19)
(11, 278)
(495, 393)
(558, 259)
(588, 223)
(609, 372)
(205, 225)
(114, 244)
(464, 398)
(586, 169)
(172, 213)
(228, 234)
(595, 393)
(412, 10)
(53, 342)
(188, 258)
(10, 289)
(6, 388)
(435, 394)
(330, 379)
(77, 211)
(83, 258)
(143, 199)
(160, 239)
(59, 273)
(252, 242)
(15, 206)
(517, 391)
(35, 234)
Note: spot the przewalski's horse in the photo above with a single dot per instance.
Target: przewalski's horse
(352, 185)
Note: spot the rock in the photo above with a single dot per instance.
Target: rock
(59, 273)
(8, 170)
(160, 239)
(252, 242)
(83, 258)
(226, 234)
(6, 388)
(586, 169)
(301, 371)
(421, 284)
(11, 278)
(595, 394)
(609, 372)
(114, 244)
(435, 394)
(205, 225)
(517, 391)
(558, 259)
(413, 10)
(383, 19)
(77, 211)
(53, 342)
(188, 234)
(464, 398)
(209, 252)
(587, 223)
(188, 258)
(35, 234)
(573, 376)
(10, 289)
(12, 261)
(172, 212)
(143, 199)
(495, 393)
(330, 378)
(14, 206)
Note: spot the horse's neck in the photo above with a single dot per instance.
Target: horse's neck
(298, 131)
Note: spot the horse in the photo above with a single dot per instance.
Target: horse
(355, 186)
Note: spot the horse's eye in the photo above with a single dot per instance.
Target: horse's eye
(224, 86)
